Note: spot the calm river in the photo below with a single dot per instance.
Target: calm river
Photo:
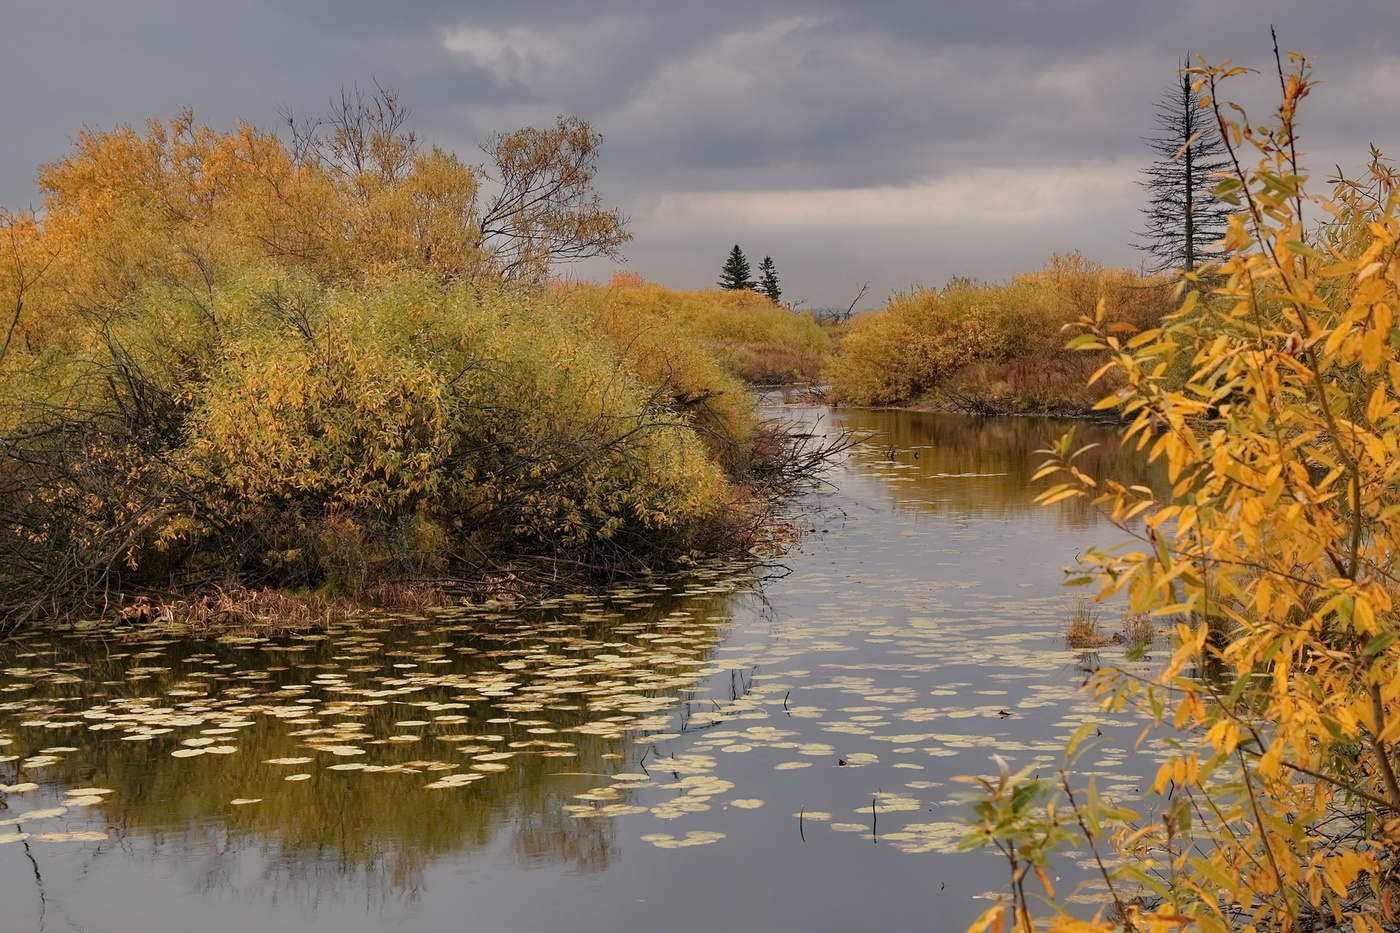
(772, 750)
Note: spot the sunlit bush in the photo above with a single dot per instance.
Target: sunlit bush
(1274, 555)
(997, 345)
(180, 204)
(279, 430)
(757, 340)
(694, 346)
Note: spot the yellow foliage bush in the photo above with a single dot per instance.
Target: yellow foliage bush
(494, 415)
(332, 362)
(287, 431)
(182, 204)
(1276, 556)
(743, 328)
(691, 344)
(183, 201)
(989, 341)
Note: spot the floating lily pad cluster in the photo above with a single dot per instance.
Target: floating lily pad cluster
(840, 698)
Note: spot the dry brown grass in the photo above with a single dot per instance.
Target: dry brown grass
(1042, 384)
(772, 364)
(1139, 632)
(238, 609)
(1082, 628)
(415, 596)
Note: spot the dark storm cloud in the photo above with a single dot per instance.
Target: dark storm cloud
(890, 140)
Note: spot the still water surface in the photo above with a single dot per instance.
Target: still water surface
(767, 750)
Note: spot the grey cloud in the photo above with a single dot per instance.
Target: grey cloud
(704, 100)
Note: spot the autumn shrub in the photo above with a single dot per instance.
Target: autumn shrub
(770, 364)
(650, 332)
(333, 362)
(990, 347)
(700, 349)
(280, 431)
(347, 200)
(1275, 557)
(503, 407)
(921, 338)
(760, 341)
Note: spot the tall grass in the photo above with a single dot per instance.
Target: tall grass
(1083, 626)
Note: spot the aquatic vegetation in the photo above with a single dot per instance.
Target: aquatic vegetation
(275, 726)
(563, 709)
(1082, 628)
(1139, 631)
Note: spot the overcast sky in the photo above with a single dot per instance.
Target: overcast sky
(898, 142)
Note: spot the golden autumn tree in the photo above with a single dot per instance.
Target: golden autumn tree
(533, 207)
(24, 263)
(175, 204)
(397, 207)
(1277, 554)
(349, 196)
(322, 361)
(545, 209)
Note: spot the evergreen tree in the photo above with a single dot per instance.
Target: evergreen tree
(768, 279)
(736, 273)
(1183, 216)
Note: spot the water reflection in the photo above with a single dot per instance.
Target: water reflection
(359, 751)
(969, 465)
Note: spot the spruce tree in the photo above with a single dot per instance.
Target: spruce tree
(1183, 216)
(736, 273)
(768, 279)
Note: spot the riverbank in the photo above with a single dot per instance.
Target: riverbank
(673, 754)
(979, 406)
(970, 397)
(995, 348)
(782, 462)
